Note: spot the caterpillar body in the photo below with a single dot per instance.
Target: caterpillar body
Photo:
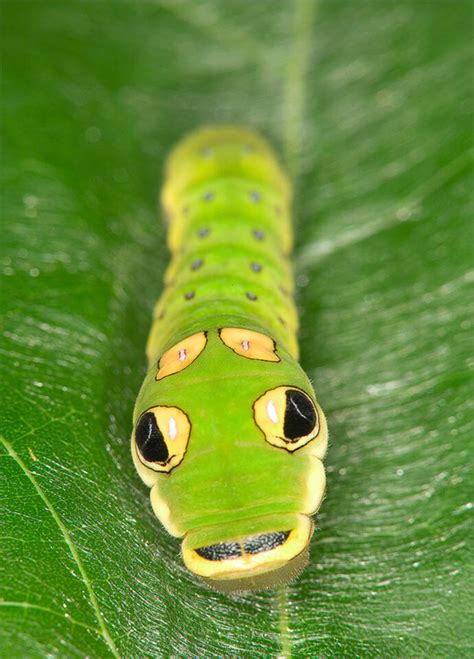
(227, 430)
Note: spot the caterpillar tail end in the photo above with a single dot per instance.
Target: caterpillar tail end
(220, 150)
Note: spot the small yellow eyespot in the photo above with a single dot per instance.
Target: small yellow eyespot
(249, 344)
(160, 439)
(287, 417)
(181, 355)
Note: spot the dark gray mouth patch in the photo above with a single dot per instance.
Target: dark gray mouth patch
(256, 544)
(265, 542)
(220, 552)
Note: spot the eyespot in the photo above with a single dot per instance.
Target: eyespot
(300, 415)
(181, 355)
(161, 438)
(287, 417)
(249, 344)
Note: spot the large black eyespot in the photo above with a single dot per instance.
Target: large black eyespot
(288, 417)
(150, 440)
(160, 439)
(300, 415)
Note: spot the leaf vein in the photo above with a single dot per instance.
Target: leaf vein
(38, 607)
(70, 543)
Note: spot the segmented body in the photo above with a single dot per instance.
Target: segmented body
(224, 381)
(228, 208)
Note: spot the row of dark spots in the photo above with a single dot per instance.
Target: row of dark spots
(198, 263)
(249, 295)
(254, 196)
(208, 196)
(190, 294)
(256, 267)
(204, 232)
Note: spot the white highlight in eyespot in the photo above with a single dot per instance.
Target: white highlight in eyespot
(172, 428)
(245, 345)
(182, 355)
(271, 411)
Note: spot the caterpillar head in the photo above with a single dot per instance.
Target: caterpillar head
(230, 438)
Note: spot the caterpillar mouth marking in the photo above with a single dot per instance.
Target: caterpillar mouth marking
(256, 544)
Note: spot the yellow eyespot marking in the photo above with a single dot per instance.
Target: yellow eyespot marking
(287, 417)
(160, 440)
(250, 344)
(181, 355)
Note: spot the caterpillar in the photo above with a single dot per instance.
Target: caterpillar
(227, 430)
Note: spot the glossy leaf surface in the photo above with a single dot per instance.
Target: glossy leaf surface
(370, 103)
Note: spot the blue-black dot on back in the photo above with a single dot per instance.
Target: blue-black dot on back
(258, 234)
(208, 196)
(195, 265)
(203, 232)
(251, 296)
(189, 295)
(255, 267)
(255, 196)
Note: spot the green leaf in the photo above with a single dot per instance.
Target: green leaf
(371, 104)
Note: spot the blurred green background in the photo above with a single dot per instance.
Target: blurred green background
(370, 102)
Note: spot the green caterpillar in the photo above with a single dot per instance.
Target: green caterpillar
(227, 431)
